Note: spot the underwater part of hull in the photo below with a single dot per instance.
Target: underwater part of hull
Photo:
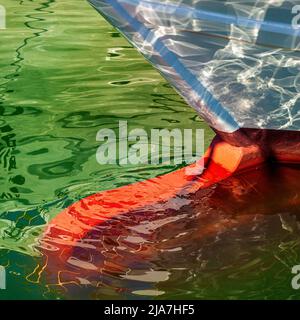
(71, 231)
(280, 146)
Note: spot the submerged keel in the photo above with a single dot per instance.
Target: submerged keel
(70, 229)
(73, 237)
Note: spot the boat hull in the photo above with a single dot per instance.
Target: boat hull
(235, 62)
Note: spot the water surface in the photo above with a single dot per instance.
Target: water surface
(65, 74)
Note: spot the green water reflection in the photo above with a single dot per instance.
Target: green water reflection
(64, 74)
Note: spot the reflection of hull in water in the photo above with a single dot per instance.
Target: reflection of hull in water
(123, 254)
